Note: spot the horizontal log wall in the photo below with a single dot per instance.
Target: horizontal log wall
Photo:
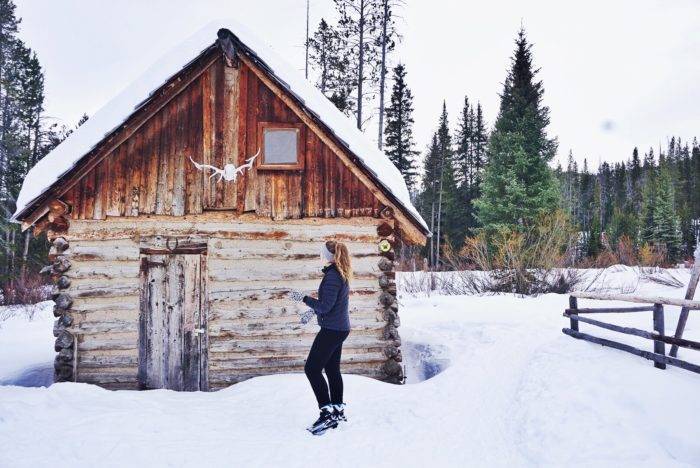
(253, 327)
(215, 120)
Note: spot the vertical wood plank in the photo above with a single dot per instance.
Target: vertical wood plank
(242, 132)
(208, 98)
(161, 162)
(134, 156)
(203, 321)
(252, 107)
(144, 323)
(230, 143)
(573, 305)
(219, 129)
(175, 295)
(88, 202)
(146, 154)
(100, 182)
(193, 177)
(191, 352)
(171, 134)
(659, 346)
(180, 142)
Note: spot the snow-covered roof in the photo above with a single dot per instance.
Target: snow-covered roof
(69, 153)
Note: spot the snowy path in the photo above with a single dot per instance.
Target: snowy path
(517, 392)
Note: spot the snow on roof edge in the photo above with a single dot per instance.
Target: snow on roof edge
(71, 151)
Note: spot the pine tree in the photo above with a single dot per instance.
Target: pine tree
(464, 167)
(648, 203)
(359, 25)
(326, 49)
(438, 197)
(569, 185)
(635, 178)
(24, 140)
(386, 44)
(518, 183)
(695, 191)
(449, 217)
(463, 150)
(428, 196)
(479, 144)
(665, 223)
(400, 147)
(595, 233)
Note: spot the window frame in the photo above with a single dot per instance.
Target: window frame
(262, 127)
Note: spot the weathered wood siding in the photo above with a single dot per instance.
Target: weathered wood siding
(252, 327)
(215, 120)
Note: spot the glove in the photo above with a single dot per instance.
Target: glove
(306, 316)
(296, 296)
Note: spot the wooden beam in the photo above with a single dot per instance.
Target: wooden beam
(689, 294)
(573, 306)
(659, 346)
(412, 232)
(610, 310)
(636, 332)
(632, 350)
(691, 305)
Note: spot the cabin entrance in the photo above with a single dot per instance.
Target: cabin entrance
(172, 321)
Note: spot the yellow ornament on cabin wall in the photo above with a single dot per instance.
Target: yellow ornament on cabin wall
(384, 246)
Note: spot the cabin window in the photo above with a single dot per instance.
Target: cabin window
(281, 146)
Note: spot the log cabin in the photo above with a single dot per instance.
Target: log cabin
(167, 277)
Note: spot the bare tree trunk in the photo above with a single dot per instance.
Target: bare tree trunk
(439, 214)
(306, 65)
(11, 250)
(432, 230)
(25, 252)
(360, 74)
(382, 75)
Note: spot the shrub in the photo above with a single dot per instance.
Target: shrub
(652, 255)
(526, 261)
(30, 289)
(625, 251)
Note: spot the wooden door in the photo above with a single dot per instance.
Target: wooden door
(172, 322)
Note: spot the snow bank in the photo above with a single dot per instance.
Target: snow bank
(68, 154)
(26, 344)
(516, 392)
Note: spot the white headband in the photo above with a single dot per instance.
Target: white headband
(326, 255)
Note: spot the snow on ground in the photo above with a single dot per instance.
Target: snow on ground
(514, 391)
(26, 347)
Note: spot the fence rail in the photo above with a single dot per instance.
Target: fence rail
(692, 305)
(656, 306)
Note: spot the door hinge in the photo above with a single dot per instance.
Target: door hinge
(198, 331)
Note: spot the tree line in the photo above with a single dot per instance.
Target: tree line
(26, 135)
(651, 199)
(473, 180)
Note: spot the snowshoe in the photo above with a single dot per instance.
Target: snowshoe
(339, 412)
(325, 421)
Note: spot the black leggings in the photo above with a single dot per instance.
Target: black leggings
(325, 355)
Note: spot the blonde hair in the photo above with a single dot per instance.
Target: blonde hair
(341, 257)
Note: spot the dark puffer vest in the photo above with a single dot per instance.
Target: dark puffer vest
(331, 307)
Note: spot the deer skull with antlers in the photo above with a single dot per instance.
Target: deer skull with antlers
(230, 172)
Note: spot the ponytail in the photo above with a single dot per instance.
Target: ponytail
(341, 257)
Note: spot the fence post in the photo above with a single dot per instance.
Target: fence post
(659, 346)
(573, 305)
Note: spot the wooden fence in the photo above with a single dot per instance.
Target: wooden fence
(655, 305)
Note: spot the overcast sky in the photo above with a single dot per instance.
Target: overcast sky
(616, 73)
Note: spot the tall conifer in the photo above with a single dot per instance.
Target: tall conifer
(518, 183)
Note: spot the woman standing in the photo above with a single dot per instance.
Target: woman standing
(331, 309)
